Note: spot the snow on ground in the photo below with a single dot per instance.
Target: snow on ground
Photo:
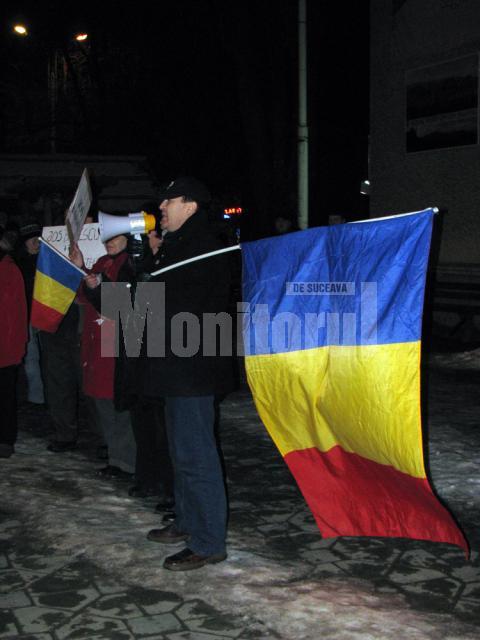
(62, 502)
(460, 360)
(110, 531)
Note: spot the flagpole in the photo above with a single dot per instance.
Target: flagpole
(435, 210)
(202, 256)
(62, 256)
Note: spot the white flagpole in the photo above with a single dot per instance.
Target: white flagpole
(238, 246)
(202, 256)
(61, 255)
(398, 215)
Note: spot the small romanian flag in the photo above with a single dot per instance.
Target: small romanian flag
(332, 337)
(56, 283)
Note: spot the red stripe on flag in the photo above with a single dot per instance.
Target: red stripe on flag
(352, 496)
(45, 318)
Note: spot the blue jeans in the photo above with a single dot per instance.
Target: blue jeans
(200, 501)
(32, 368)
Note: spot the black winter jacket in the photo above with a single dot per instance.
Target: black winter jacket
(199, 288)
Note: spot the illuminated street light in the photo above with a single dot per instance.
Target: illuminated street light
(54, 54)
(21, 30)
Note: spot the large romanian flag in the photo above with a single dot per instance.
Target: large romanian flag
(56, 283)
(332, 329)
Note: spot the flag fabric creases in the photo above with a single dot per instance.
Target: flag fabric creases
(332, 339)
(56, 283)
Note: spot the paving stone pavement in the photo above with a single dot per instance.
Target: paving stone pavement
(47, 593)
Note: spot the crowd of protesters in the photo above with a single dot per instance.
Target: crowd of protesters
(153, 419)
(66, 369)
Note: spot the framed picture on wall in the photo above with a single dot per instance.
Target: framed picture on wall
(442, 105)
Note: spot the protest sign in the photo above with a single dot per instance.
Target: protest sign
(79, 207)
(89, 241)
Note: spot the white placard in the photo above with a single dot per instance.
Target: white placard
(89, 242)
(79, 207)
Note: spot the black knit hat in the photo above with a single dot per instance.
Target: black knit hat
(30, 230)
(188, 187)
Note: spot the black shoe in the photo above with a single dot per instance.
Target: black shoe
(59, 446)
(169, 517)
(167, 535)
(143, 492)
(114, 472)
(187, 560)
(167, 505)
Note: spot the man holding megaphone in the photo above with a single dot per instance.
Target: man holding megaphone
(190, 383)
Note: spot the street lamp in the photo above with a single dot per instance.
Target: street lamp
(21, 30)
(53, 62)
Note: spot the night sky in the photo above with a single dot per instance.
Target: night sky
(207, 88)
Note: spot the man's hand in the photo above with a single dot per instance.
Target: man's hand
(76, 256)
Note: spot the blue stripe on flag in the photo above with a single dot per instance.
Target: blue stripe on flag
(58, 268)
(348, 284)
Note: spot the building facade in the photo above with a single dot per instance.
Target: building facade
(424, 144)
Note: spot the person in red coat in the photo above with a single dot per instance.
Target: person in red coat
(98, 361)
(13, 339)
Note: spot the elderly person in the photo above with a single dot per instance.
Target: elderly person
(98, 361)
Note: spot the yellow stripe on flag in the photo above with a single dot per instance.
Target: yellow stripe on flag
(51, 293)
(363, 398)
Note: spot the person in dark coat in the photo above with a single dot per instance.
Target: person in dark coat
(13, 339)
(191, 374)
(153, 467)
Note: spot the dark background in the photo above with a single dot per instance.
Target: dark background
(207, 88)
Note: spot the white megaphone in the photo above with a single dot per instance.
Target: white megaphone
(133, 223)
